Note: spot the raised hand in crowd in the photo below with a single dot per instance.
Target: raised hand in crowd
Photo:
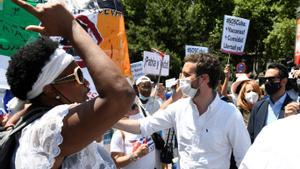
(60, 84)
(291, 109)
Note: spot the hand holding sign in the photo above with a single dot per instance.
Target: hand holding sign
(55, 19)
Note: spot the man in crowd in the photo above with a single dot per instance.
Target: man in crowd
(207, 128)
(144, 87)
(271, 107)
(277, 145)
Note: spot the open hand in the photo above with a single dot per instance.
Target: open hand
(55, 19)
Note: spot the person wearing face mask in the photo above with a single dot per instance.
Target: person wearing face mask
(250, 93)
(272, 106)
(208, 129)
(144, 88)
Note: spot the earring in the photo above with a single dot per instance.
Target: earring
(57, 97)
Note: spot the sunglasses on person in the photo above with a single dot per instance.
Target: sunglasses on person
(270, 79)
(76, 75)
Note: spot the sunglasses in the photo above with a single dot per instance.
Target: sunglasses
(270, 79)
(76, 75)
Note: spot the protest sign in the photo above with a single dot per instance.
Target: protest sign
(189, 49)
(170, 82)
(152, 63)
(137, 70)
(234, 36)
(13, 21)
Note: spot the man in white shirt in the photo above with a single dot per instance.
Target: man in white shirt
(207, 128)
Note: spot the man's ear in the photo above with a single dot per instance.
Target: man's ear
(284, 81)
(205, 78)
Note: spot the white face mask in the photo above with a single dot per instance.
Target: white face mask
(186, 88)
(251, 97)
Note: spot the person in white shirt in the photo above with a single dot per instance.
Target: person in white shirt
(207, 128)
(144, 87)
(276, 146)
(132, 151)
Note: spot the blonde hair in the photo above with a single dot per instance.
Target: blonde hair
(241, 101)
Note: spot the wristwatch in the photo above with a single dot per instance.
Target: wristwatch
(132, 157)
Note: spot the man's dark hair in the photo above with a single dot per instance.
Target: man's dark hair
(26, 65)
(283, 71)
(206, 64)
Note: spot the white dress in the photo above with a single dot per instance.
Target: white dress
(39, 146)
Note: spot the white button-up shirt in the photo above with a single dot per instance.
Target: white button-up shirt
(276, 146)
(204, 141)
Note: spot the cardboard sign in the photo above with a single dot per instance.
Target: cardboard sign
(137, 70)
(152, 63)
(297, 46)
(234, 36)
(13, 20)
(189, 49)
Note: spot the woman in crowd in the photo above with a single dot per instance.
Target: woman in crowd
(249, 94)
(45, 76)
(132, 151)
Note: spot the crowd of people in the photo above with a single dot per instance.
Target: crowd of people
(253, 126)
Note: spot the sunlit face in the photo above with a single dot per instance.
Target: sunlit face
(272, 75)
(189, 71)
(249, 88)
(71, 91)
(145, 88)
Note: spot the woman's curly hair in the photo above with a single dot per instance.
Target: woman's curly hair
(26, 65)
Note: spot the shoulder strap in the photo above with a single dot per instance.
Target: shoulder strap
(28, 118)
(143, 110)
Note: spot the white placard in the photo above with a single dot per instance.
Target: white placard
(234, 36)
(3, 67)
(170, 82)
(189, 49)
(137, 70)
(152, 61)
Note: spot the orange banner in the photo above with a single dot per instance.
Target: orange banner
(114, 43)
(297, 46)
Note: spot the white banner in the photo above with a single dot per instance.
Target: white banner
(170, 82)
(3, 67)
(189, 49)
(152, 61)
(137, 70)
(234, 36)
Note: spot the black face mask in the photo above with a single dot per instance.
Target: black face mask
(272, 88)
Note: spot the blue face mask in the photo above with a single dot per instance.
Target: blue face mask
(143, 97)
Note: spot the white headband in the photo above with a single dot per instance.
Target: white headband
(59, 60)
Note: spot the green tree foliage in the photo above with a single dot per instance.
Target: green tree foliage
(272, 27)
(170, 25)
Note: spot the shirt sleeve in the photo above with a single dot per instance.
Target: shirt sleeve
(238, 136)
(40, 140)
(160, 120)
(117, 143)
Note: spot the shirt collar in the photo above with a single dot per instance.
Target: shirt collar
(213, 106)
(280, 101)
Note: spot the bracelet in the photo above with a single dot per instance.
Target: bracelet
(132, 157)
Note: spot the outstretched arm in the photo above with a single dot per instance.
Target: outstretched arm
(87, 121)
